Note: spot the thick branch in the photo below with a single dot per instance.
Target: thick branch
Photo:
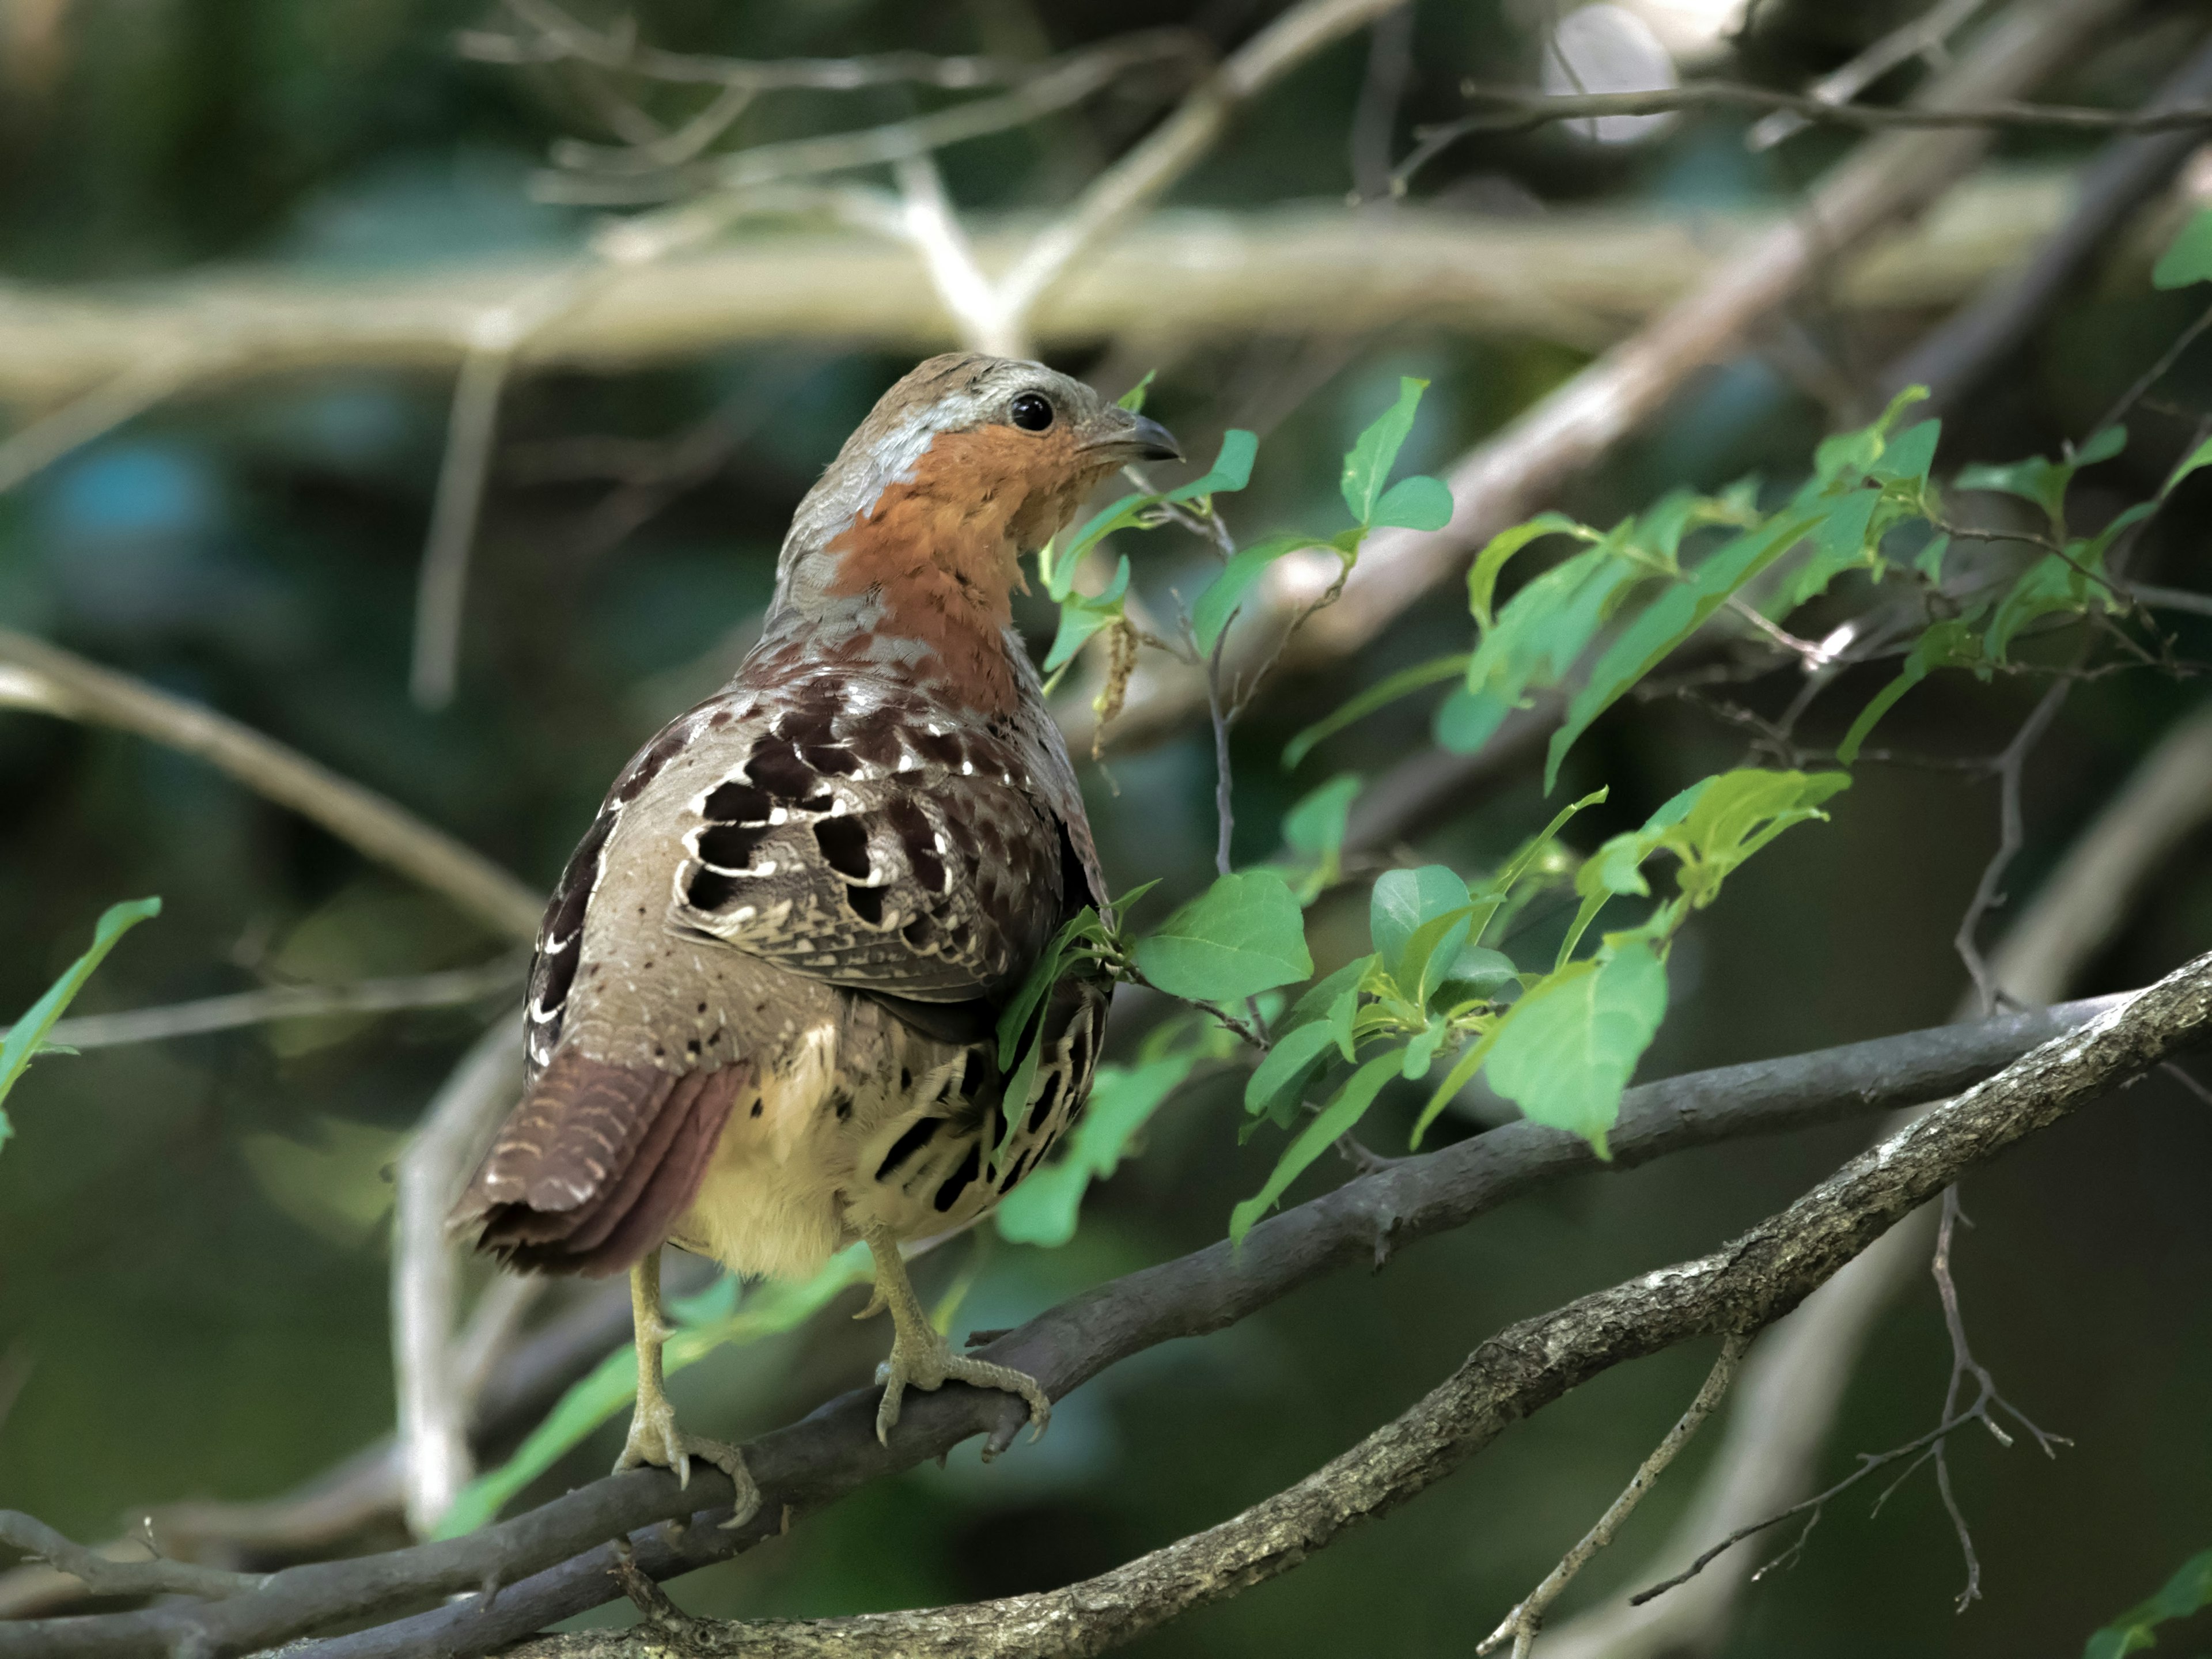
(42, 678)
(538, 1557)
(1580, 275)
(1736, 1290)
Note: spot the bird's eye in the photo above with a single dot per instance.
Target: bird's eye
(1032, 411)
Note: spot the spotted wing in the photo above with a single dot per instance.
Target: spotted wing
(882, 846)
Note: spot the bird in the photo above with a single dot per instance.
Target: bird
(762, 1014)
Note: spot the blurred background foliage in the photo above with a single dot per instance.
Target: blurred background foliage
(192, 1292)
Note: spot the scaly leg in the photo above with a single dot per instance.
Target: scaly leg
(919, 1354)
(653, 1437)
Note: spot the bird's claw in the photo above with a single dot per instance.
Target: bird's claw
(931, 1363)
(655, 1442)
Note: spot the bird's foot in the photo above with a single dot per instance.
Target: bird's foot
(922, 1358)
(656, 1442)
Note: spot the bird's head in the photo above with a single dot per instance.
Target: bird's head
(914, 537)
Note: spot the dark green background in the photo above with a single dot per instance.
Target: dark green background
(256, 547)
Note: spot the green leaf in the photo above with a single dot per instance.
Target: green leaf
(1337, 1119)
(1461, 1074)
(2199, 457)
(1043, 1208)
(1381, 695)
(1134, 398)
(1402, 901)
(25, 1037)
(1231, 471)
(1367, 463)
(1543, 630)
(1101, 524)
(1482, 576)
(2188, 256)
(2190, 1589)
(1315, 825)
(1567, 1050)
(1939, 645)
(1465, 719)
(1297, 1056)
(2048, 586)
(2041, 481)
(1840, 543)
(1671, 618)
(1323, 994)
(1081, 617)
(1227, 591)
(772, 1308)
(1419, 502)
(1909, 455)
(1245, 934)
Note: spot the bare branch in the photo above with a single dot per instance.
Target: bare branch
(2011, 836)
(46, 679)
(453, 987)
(108, 1576)
(1185, 273)
(1922, 36)
(1068, 80)
(430, 1375)
(1521, 1625)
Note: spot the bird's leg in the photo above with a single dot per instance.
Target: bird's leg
(653, 1437)
(920, 1357)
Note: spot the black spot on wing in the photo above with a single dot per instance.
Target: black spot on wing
(730, 846)
(736, 803)
(1074, 879)
(776, 768)
(844, 844)
(711, 890)
(867, 903)
(648, 763)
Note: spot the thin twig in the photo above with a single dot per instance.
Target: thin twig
(1523, 110)
(453, 987)
(1520, 1626)
(2011, 836)
(1068, 80)
(1922, 36)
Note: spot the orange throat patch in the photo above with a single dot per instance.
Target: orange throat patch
(942, 549)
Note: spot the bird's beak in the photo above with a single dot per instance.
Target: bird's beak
(1135, 437)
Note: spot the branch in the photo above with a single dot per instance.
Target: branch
(1068, 80)
(1513, 474)
(1521, 1624)
(536, 1556)
(1580, 275)
(49, 680)
(1925, 36)
(1175, 146)
(107, 1576)
(429, 1370)
(453, 987)
(1736, 1291)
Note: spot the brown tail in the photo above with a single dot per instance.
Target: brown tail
(597, 1163)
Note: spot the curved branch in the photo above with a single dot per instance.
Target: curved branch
(1737, 1289)
(49, 680)
(539, 1560)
